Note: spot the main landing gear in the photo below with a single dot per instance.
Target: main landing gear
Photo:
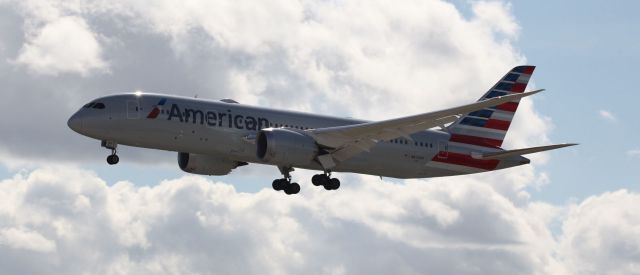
(326, 181)
(113, 158)
(290, 188)
(285, 183)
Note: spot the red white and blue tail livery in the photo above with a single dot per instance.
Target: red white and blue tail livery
(489, 126)
(216, 137)
(486, 127)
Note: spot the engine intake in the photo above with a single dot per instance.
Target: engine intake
(285, 147)
(206, 165)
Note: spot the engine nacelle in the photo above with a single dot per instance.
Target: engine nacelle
(285, 147)
(206, 165)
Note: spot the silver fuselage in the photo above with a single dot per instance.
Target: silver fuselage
(228, 130)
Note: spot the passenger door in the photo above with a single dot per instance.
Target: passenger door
(443, 149)
(133, 109)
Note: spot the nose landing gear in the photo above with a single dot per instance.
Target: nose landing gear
(113, 158)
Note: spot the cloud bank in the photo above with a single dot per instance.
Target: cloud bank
(67, 220)
(65, 45)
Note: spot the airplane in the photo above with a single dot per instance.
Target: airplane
(215, 137)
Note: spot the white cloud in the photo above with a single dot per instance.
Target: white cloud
(193, 225)
(52, 216)
(497, 16)
(65, 45)
(18, 238)
(634, 153)
(607, 115)
(602, 235)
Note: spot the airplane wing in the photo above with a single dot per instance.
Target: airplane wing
(344, 142)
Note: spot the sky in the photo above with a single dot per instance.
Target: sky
(570, 212)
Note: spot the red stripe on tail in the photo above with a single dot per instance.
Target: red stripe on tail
(528, 69)
(518, 87)
(479, 141)
(497, 124)
(509, 107)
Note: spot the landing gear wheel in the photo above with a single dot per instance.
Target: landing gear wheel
(285, 184)
(332, 184)
(113, 159)
(335, 183)
(279, 184)
(318, 179)
(292, 188)
(112, 145)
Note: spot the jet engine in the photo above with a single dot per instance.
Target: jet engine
(206, 165)
(285, 147)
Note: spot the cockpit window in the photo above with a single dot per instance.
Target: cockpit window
(94, 105)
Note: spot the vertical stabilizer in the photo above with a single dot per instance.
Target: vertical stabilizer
(488, 127)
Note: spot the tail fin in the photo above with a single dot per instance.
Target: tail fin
(489, 126)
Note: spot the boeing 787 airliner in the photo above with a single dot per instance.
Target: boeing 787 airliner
(215, 137)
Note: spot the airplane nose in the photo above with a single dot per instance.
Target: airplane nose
(75, 123)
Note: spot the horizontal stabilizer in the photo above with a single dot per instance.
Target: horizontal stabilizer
(519, 152)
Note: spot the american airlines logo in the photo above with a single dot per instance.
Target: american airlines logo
(156, 109)
(209, 117)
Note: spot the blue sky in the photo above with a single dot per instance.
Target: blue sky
(587, 57)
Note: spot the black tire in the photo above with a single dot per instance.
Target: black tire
(317, 179)
(278, 184)
(112, 159)
(327, 186)
(116, 159)
(335, 183)
(293, 188)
